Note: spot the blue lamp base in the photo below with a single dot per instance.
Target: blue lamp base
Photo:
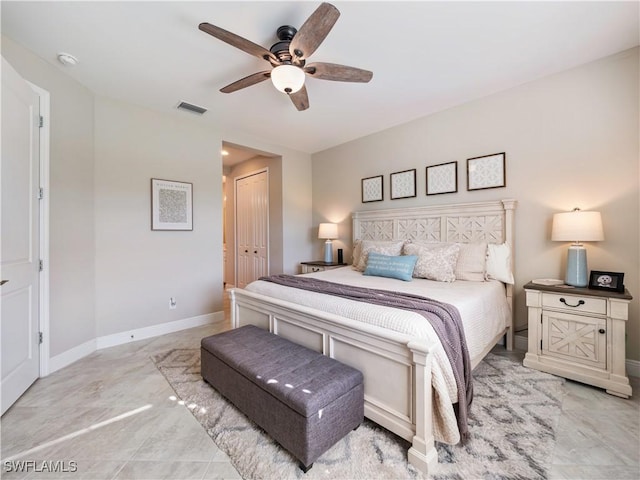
(328, 252)
(577, 266)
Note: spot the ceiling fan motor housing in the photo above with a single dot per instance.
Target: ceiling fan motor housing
(281, 49)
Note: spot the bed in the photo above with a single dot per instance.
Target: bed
(404, 375)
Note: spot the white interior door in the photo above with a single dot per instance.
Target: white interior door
(252, 227)
(19, 234)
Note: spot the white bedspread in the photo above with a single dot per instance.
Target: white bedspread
(482, 305)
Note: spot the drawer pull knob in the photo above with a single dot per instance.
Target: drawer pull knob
(601, 330)
(580, 302)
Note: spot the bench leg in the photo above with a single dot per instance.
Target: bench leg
(304, 468)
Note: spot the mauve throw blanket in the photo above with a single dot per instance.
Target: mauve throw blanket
(443, 317)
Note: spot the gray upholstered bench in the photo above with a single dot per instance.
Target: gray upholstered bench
(303, 399)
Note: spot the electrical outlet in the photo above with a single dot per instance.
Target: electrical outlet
(172, 303)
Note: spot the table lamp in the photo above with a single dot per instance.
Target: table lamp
(328, 231)
(577, 226)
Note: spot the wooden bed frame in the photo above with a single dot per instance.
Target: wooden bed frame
(396, 367)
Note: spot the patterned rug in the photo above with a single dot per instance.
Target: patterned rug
(512, 424)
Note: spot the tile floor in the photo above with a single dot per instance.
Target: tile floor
(113, 414)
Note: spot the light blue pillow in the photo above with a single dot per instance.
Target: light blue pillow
(400, 267)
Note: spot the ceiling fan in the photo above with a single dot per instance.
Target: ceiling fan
(288, 57)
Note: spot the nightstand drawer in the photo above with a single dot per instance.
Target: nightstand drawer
(571, 303)
(312, 268)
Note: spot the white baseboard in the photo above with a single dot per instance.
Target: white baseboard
(121, 338)
(76, 353)
(633, 368)
(520, 343)
(72, 355)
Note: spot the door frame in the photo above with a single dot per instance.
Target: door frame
(235, 220)
(43, 314)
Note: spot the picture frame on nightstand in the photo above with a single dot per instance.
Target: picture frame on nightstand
(611, 281)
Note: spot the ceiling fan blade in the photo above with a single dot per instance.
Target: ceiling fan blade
(311, 34)
(238, 42)
(300, 99)
(339, 73)
(246, 81)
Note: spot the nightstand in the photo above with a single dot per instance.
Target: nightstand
(579, 333)
(310, 267)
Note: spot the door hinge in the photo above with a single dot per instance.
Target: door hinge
(540, 344)
(41, 265)
(39, 337)
(41, 122)
(40, 193)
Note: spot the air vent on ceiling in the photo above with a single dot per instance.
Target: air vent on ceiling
(191, 108)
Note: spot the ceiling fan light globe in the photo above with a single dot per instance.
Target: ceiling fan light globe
(287, 78)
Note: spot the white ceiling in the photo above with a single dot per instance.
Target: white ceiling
(426, 56)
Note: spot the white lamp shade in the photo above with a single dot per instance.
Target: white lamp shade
(287, 78)
(328, 230)
(577, 226)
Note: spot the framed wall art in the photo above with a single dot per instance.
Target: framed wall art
(442, 178)
(372, 190)
(171, 205)
(487, 171)
(403, 184)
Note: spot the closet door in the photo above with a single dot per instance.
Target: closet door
(252, 227)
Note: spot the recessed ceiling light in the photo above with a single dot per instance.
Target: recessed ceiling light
(67, 59)
(224, 153)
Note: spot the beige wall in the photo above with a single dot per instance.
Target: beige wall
(571, 140)
(137, 269)
(71, 200)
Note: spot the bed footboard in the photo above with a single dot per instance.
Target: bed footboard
(396, 368)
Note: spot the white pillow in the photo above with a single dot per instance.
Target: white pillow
(472, 262)
(499, 263)
(391, 248)
(434, 262)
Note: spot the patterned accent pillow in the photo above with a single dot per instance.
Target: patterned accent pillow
(434, 262)
(390, 248)
(400, 267)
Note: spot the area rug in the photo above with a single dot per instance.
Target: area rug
(512, 424)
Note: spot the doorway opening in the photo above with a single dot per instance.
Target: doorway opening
(242, 162)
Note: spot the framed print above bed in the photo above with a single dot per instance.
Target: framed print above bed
(403, 184)
(487, 171)
(372, 190)
(442, 178)
(171, 205)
